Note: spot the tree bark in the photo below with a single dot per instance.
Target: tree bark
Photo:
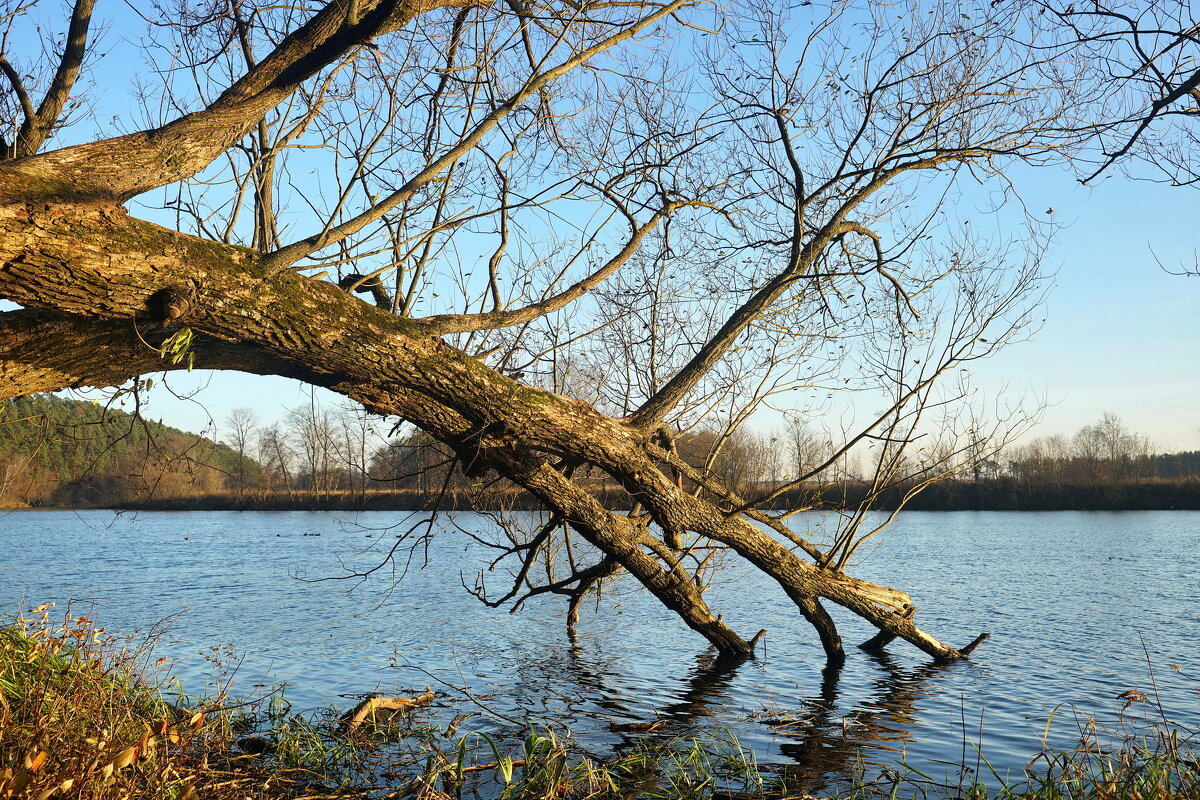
(97, 273)
(125, 166)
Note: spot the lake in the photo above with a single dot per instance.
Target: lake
(1081, 607)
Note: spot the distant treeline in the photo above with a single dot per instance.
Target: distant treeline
(374, 499)
(57, 452)
(1009, 494)
(991, 494)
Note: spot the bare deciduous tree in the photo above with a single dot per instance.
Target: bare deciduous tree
(1140, 64)
(243, 430)
(581, 230)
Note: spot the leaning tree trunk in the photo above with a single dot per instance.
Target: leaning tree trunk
(112, 287)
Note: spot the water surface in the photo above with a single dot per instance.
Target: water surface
(1081, 606)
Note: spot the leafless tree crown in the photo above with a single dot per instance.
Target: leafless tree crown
(568, 241)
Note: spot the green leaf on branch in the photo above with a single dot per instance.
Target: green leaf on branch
(178, 347)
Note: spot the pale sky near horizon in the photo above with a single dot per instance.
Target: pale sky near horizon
(1121, 335)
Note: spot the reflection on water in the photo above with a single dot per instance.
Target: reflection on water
(1068, 598)
(821, 741)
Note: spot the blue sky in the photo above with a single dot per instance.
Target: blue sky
(1121, 334)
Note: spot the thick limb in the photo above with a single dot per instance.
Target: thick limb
(69, 258)
(819, 618)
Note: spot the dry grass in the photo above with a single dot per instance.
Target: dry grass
(82, 716)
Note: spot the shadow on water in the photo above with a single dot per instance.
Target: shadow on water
(709, 682)
(823, 749)
(698, 698)
(826, 749)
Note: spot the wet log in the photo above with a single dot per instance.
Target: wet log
(382, 709)
(884, 637)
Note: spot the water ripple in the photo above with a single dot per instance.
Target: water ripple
(1070, 598)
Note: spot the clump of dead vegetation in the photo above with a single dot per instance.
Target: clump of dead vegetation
(83, 715)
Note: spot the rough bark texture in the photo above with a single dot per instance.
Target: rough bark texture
(100, 271)
(101, 290)
(125, 166)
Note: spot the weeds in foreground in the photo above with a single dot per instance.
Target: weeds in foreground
(712, 767)
(1142, 770)
(83, 716)
(75, 717)
(1155, 760)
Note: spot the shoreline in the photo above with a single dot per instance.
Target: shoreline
(991, 495)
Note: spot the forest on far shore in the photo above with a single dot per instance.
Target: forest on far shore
(57, 452)
(62, 453)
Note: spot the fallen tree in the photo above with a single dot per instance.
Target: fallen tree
(572, 257)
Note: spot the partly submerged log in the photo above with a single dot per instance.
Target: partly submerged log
(886, 635)
(656, 726)
(380, 710)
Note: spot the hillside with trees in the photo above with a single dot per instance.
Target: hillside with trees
(60, 452)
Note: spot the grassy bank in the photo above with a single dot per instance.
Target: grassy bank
(84, 715)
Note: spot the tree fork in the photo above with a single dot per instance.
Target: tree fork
(612, 534)
(802, 582)
(109, 353)
(617, 538)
